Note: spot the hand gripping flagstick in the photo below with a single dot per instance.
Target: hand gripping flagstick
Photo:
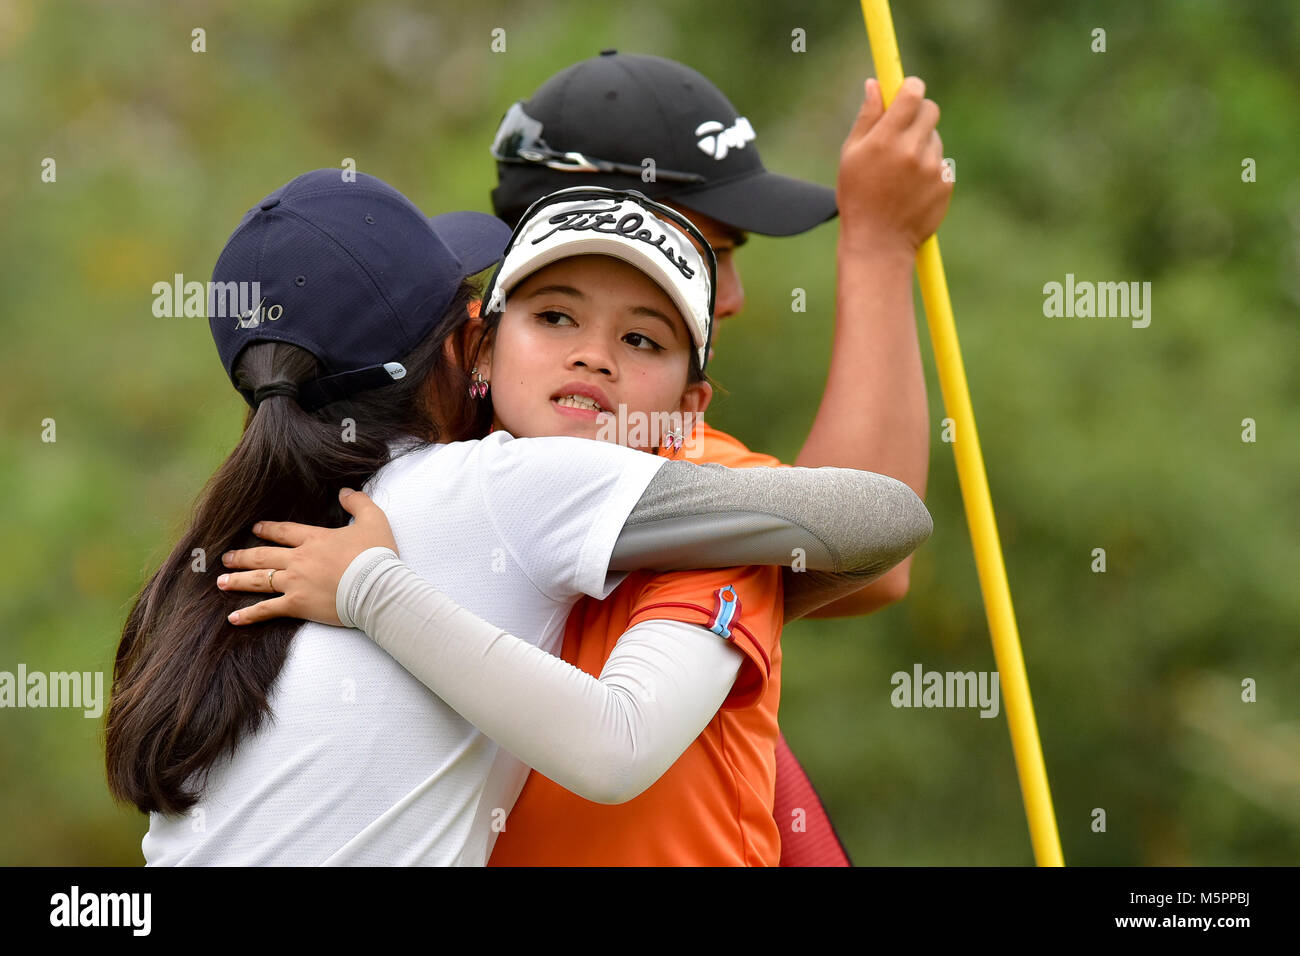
(975, 491)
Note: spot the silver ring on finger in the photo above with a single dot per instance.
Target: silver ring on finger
(270, 580)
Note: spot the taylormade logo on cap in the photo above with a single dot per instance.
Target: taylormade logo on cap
(716, 139)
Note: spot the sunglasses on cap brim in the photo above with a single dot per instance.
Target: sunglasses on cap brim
(519, 140)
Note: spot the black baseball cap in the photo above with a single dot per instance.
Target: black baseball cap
(348, 269)
(596, 122)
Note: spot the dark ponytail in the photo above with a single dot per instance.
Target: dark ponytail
(187, 684)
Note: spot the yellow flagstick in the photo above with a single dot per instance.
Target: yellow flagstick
(975, 491)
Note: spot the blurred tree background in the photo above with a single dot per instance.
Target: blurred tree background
(1117, 166)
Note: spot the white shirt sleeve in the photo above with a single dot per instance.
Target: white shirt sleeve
(558, 506)
(605, 739)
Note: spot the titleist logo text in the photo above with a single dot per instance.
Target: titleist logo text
(629, 226)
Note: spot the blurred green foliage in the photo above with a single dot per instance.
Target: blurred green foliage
(1122, 165)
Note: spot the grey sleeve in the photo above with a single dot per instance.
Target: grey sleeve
(846, 527)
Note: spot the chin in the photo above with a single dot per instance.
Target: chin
(569, 430)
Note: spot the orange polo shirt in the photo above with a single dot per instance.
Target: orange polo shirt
(713, 807)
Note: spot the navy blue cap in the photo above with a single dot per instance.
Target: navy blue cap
(351, 271)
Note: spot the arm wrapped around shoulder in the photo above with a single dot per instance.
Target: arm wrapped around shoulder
(872, 521)
(833, 529)
(825, 519)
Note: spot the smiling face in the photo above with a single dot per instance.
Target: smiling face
(583, 336)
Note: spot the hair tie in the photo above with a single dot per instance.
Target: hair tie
(263, 392)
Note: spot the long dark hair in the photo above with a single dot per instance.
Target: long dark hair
(187, 684)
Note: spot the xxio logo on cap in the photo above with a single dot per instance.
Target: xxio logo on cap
(259, 314)
(716, 139)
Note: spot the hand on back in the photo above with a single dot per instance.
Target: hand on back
(308, 571)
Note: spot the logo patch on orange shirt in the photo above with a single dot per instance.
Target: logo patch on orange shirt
(725, 610)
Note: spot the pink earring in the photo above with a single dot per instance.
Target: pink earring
(673, 441)
(479, 388)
